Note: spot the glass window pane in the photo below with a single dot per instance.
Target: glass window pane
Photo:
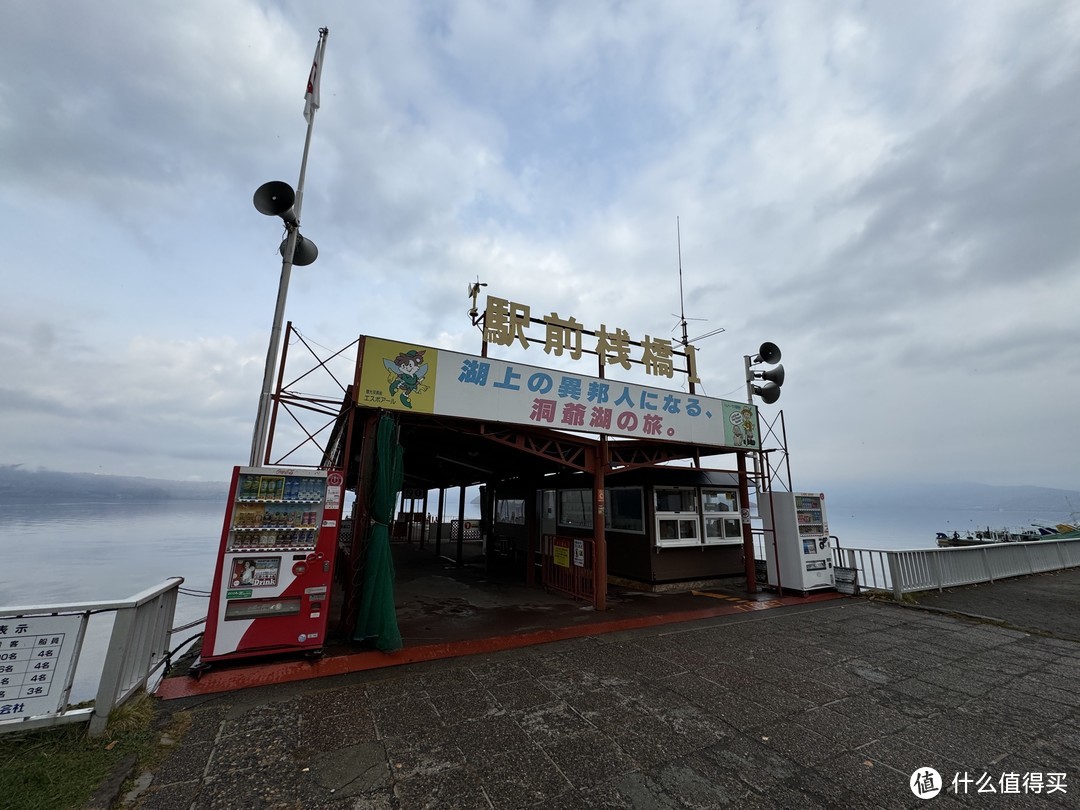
(667, 500)
(510, 510)
(675, 500)
(688, 529)
(719, 500)
(575, 508)
(625, 509)
(732, 528)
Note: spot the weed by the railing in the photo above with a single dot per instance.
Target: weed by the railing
(61, 767)
(889, 596)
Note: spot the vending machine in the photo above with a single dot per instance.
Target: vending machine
(275, 565)
(802, 558)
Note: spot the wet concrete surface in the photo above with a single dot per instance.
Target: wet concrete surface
(1028, 602)
(445, 610)
(826, 704)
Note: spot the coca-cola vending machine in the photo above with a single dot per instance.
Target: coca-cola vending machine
(275, 565)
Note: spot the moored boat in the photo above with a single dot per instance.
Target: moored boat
(988, 536)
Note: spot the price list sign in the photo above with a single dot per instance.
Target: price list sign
(36, 656)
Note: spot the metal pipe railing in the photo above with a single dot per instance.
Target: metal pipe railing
(909, 570)
(138, 647)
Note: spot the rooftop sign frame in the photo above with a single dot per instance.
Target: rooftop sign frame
(409, 377)
(504, 323)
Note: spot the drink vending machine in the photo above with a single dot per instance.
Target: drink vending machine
(802, 558)
(271, 589)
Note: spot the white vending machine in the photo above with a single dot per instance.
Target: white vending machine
(801, 559)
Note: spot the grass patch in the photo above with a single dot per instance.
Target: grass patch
(61, 767)
(888, 596)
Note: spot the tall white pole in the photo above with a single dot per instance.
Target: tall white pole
(262, 420)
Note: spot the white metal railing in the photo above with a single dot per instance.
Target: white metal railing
(138, 647)
(908, 570)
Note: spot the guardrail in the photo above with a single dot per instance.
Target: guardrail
(909, 570)
(39, 654)
(567, 565)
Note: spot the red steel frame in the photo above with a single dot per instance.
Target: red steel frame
(766, 474)
(578, 581)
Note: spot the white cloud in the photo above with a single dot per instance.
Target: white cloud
(886, 191)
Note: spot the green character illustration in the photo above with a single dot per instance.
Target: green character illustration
(748, 426)
(407, 371)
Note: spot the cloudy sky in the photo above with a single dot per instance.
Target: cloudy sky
(888, 191)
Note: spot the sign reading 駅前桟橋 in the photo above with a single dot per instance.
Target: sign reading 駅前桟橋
(408, 377)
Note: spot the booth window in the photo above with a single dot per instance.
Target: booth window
(677, 532)
(720, 508)
(625, 510)
(575, 508)
(510, 510)
(676, 499)
(679, 521)
(677, 517)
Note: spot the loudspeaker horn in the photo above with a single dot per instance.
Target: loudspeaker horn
(276, 199)
(769, 392)
(774, 375)
(305, 252)
(768, 353)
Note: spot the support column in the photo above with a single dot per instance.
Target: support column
(534, 526)
(438, 521)
(361, 524)
(747, 534)
(424, 526)
(461, 525)
(599, 535)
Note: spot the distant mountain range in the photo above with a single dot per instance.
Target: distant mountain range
(19, 486)
(976, 497)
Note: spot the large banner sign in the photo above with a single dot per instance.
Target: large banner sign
(407, 377)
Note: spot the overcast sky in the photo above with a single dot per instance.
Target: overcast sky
(888, 191)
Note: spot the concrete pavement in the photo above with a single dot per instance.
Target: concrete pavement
(830, 704)
(1048, 603)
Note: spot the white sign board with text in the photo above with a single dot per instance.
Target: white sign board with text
(36, 657)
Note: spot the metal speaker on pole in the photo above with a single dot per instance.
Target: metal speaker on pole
(769, 392)
(768, 353)
(773, 375)
(305, 252)
(276, 199)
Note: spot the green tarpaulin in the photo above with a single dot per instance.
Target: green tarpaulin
(376, 622)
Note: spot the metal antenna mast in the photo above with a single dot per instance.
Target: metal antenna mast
(686, 341)
(682, 305)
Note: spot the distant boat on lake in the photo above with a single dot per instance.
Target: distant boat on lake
(981, 537)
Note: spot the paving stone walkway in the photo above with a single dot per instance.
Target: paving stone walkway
(830, 705)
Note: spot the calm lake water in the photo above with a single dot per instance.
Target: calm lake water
(877, 527)
(94, 552)
(83, 552)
